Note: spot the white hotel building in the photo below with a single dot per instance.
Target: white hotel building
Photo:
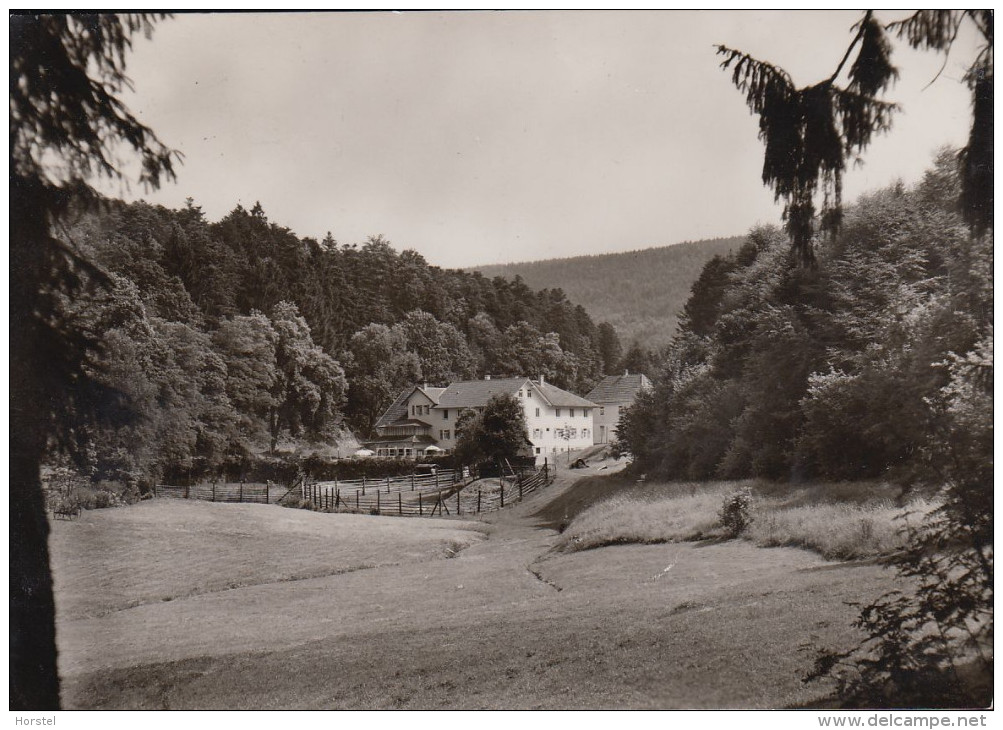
(423, 417)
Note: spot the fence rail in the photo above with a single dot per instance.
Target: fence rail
(425, 497)
(443, 479)
(254, 492)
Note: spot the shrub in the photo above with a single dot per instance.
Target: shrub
(735, 513)
(933, 646)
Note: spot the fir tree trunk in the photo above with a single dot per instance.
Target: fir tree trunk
(34, 680)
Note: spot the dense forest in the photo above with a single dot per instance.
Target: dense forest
(874, 362)
(640, 293)
(224, 339)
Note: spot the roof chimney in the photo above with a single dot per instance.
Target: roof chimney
(542, 381)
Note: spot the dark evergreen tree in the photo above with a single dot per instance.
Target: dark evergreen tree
(809, 133)
(66, 73)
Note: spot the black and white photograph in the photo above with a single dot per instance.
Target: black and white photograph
(539, 360)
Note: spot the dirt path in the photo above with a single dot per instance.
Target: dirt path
(505, 623)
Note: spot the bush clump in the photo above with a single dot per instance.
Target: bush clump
(736, 513)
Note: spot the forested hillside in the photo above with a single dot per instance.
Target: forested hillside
(876, 362)
(224, 339)
(640, 293)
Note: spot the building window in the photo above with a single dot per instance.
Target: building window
(537, 433)
(537, 412)
(602, 411)
(538, 449)
(585, 433)
(447, 434)
(426, 410)
(557, 412)
(520, 393)
(572, 412)
(407, 452)
(445, 415)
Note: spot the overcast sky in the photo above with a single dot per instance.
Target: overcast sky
(487, 137)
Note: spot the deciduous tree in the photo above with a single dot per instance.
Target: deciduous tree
(496, 433)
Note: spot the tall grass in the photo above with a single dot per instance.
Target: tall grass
(845, 521)
(836, 531)
(626, 519)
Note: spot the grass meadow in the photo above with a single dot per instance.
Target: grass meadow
(840, 521)
(194, 605)
(165, 550)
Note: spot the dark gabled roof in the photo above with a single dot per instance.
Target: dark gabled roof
(432, 393)
(562, 398)
(619, 388)
(477, 393)
(397, 409)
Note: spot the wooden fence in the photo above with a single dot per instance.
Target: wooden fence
(448, 495)
(444, 493)
(255, 492)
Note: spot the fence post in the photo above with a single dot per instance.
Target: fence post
(501, 484)
(400, 506)
(478, 501)
(356, 499)
(377, 501)
(241, 493)
(267, 484)
(186, 491)
(337, 497)
(214, 490)
(388, 485)
(457, 503)
(419, 505)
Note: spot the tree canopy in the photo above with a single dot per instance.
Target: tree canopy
(785, 372)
